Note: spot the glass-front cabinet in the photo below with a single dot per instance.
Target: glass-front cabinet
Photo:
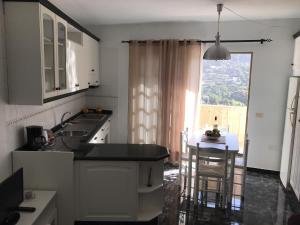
(46, 56)
(48, 32)
(62, 55)
(54, 31)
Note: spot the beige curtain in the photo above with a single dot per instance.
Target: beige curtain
(163, 80)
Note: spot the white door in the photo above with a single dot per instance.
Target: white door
(108, 191)
(288, 131)
(48, 33)
(296, 66)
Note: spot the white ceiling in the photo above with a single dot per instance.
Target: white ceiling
(94, 12)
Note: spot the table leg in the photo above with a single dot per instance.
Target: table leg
(189, 184)
(231, 179)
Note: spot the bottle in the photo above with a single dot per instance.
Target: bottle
(215, 126)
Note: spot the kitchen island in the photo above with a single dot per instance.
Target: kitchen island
(97, 182)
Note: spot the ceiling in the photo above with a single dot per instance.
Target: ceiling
(94, 12)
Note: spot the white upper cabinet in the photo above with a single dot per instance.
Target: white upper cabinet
(296, 63)
(43, 63)
(48, 50)
(91, 52)
(54, 39)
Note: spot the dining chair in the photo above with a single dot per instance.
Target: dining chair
(183, 158)
(211, 165)
(241, 165)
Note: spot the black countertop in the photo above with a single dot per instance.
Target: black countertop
(82, 150)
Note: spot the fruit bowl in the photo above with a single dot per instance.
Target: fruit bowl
(212, 134)
(213, 138)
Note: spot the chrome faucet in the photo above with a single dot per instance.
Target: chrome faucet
(63, 125)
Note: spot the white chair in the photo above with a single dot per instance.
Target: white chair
(183, 158)
(241, 164)
(212, 164)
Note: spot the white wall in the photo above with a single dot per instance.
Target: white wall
(271, 69)
(13, 118)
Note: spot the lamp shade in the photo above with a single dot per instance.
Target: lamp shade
(217, 52)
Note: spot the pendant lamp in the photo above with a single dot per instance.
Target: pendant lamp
(217, 51)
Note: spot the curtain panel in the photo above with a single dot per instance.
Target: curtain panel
(163, 92)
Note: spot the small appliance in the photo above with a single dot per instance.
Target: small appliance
(36, 137)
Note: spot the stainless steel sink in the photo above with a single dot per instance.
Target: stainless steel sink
(72, 133)
(92, 116)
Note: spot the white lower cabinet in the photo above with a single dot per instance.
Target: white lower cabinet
(118, 190)
(107, 191)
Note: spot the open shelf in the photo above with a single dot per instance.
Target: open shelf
(149, 215)
(150, 204)
(152, 171)
(146, 189)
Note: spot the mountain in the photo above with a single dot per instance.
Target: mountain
(225, 82)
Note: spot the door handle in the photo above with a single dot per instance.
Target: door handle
(293, 102)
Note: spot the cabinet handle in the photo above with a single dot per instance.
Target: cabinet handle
(93, 70)
(76, 85)
(58, 88)
(102, 129)
(89, 83)
(102, 139)
(95, 138)
(96, 81)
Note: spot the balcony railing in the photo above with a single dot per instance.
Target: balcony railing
(230, 118)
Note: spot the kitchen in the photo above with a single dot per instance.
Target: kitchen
(113, 79)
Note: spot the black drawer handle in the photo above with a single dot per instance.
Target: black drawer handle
(77, 85)
(96, 81)
(102, 139)
(58, 88)
(95, 138)
(93, 70)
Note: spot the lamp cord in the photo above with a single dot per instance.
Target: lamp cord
(247, 19)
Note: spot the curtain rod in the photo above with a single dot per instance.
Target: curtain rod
(212, 41)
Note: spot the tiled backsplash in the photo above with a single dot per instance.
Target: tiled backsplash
(48, 115)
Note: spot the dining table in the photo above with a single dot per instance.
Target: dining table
(228, 139)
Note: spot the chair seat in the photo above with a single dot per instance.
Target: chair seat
(211, 171)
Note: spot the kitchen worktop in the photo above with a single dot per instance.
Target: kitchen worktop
(83, 150)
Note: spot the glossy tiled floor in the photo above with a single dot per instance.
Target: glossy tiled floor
(265, 203)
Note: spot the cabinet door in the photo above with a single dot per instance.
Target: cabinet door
(94, 70)
(61, 45)
(91, 49)
(108, 191)
(73, 59)
(48, 52)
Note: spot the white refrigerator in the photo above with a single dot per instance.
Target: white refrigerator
(289, 130)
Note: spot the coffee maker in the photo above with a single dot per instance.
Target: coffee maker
(35, 137)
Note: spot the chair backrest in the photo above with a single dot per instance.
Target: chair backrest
(183, 141)
(213, 156)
